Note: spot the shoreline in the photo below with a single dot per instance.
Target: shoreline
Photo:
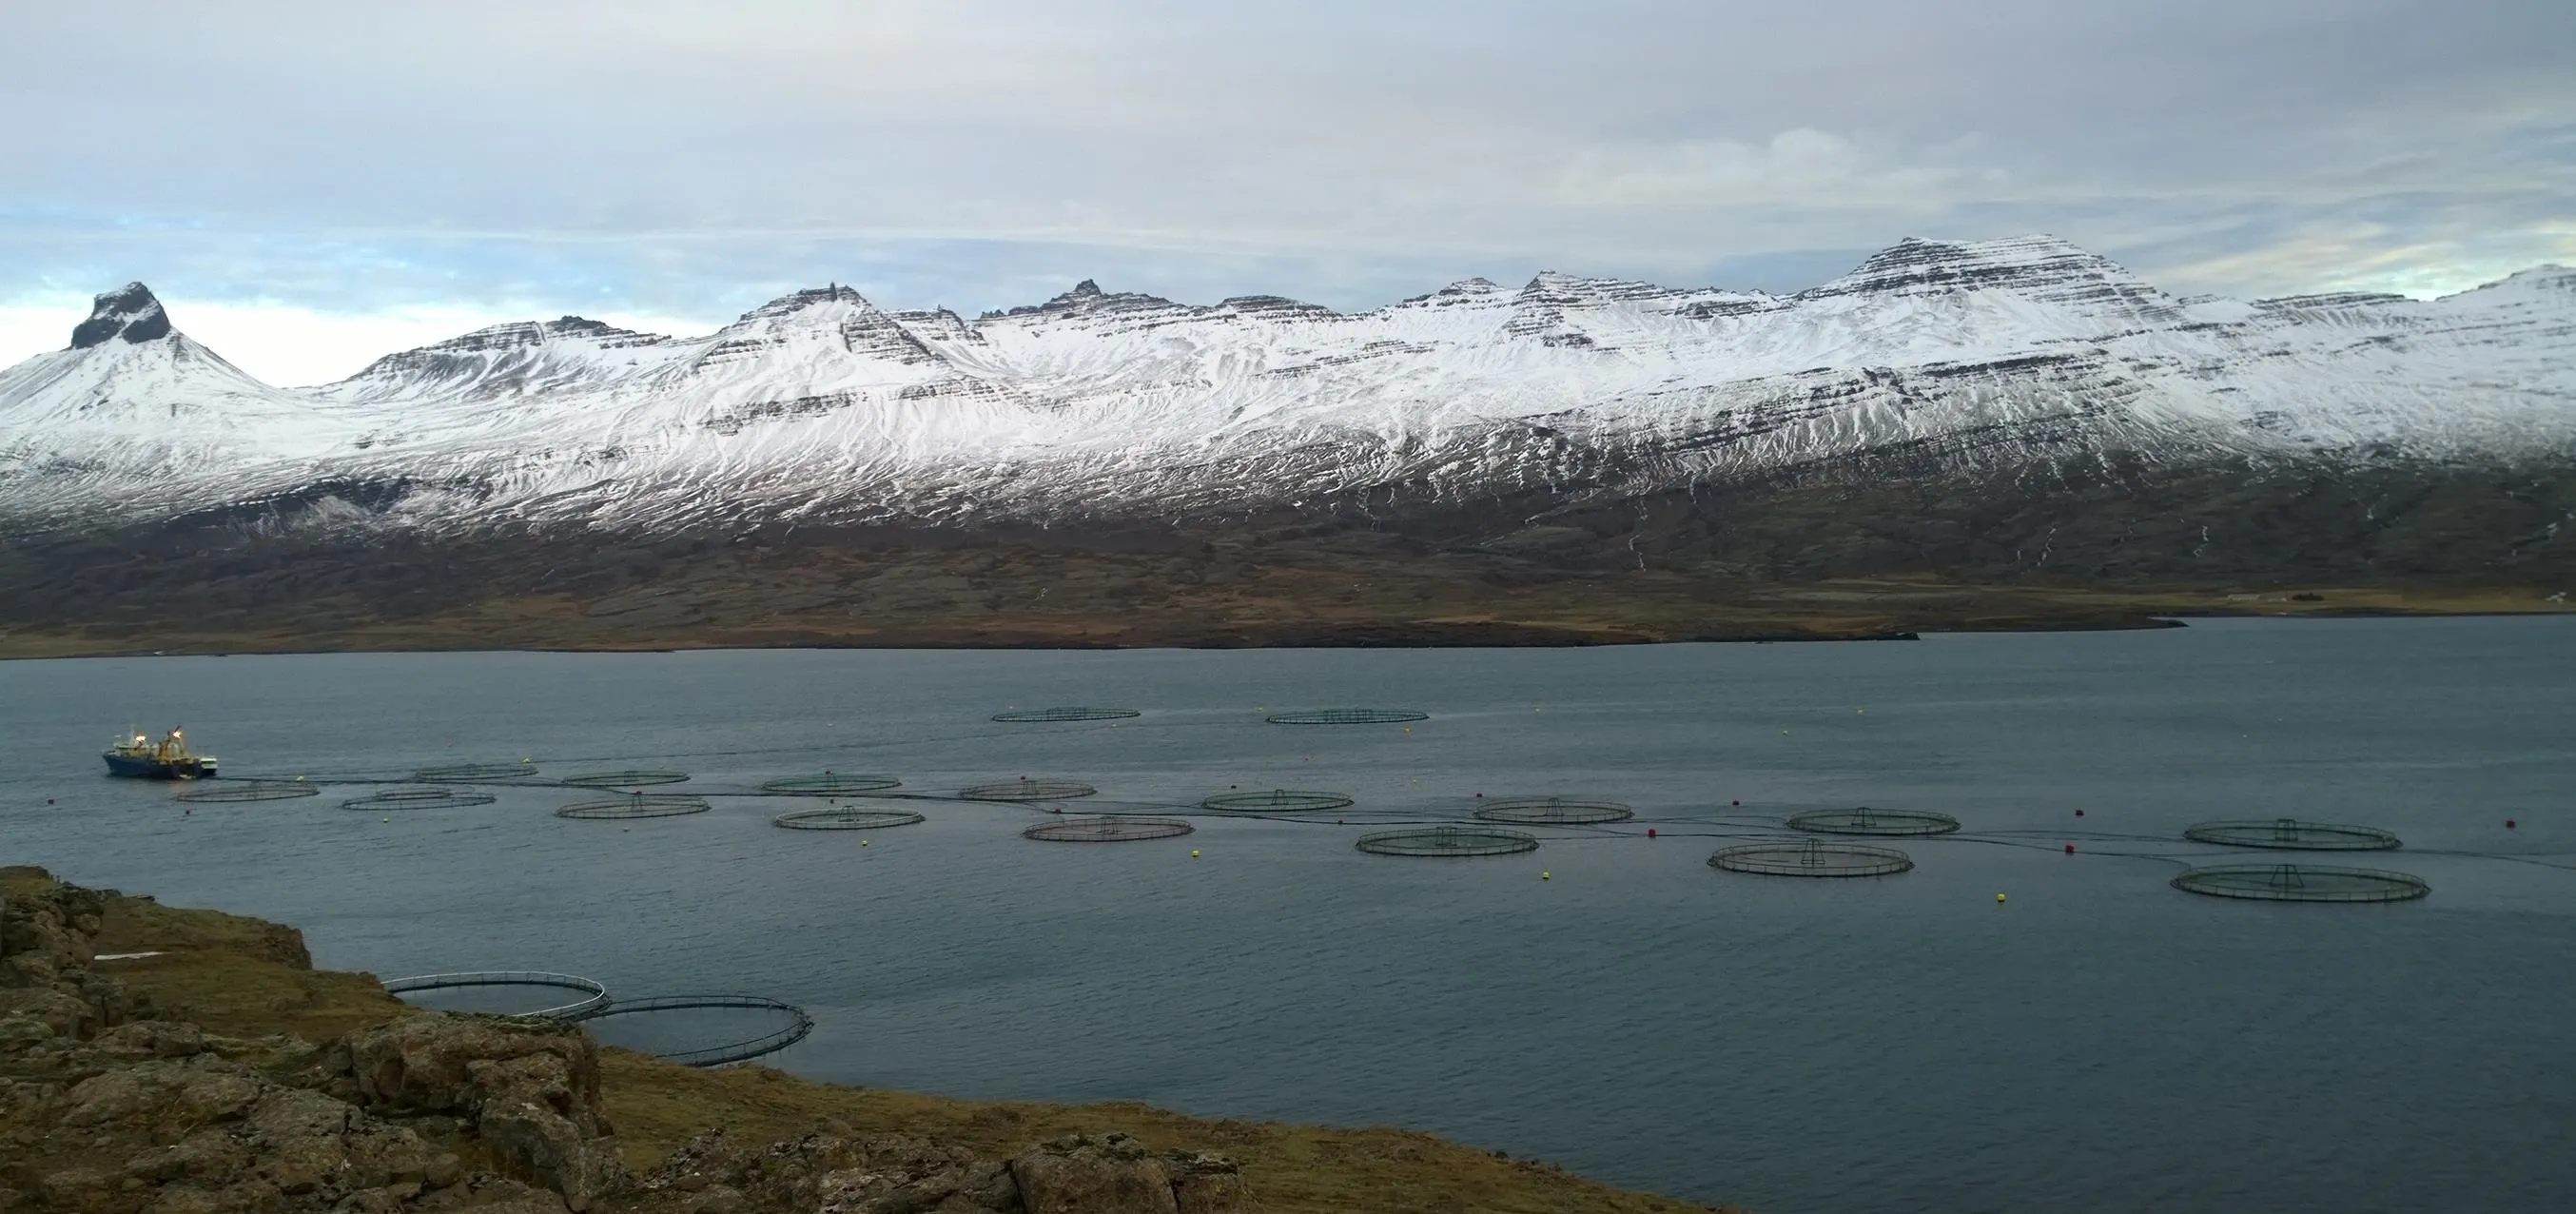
(2111, 613)
(137, 994)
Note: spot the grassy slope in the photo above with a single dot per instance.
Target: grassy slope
(244, 977)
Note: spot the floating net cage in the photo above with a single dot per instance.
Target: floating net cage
(420, 798)
(1347, 716)
(1107, 830)
(2302, 883)
(469, 773)
(1553, 811)
(2290, 834)
(1028, 790)
(249, 791)
(631, 778)
(793, 1025)
(1019, 716)
(1448, 841)
(828, 784)
(1866, 820)
(1276, 801)
(594, 995)
(1812, 858)
(635, 805)
(847, 819)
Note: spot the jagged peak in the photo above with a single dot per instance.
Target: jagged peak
(129, 313)
(2046, 266)
(809, 297)
(538, 332)
(1086, 297)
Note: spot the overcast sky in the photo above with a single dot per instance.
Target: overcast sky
(311, 184)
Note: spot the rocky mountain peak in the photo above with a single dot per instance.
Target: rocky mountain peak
(129, 313)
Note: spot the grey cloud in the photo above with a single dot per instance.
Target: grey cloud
(1341, 147)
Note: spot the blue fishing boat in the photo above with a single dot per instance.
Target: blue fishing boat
(168, 759)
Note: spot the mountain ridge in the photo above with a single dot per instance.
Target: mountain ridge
(2001, 413)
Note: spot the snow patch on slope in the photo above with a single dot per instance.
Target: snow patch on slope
(1978, 353)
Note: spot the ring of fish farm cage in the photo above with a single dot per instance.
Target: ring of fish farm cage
(1553, 811)
(1812, 858)
(2290, 834)
(594, 994)
(471, 773)
(249, 790)
(1107, 830)
(1275, 801)
(1865, 820)
(635, 778)
(1346, 716)
(1028, 790)
(1448, 841)
(828, 784)
(420, 798)
(634, 805)
(847, 819)
(798, 1025)
(1023, 716)
(2302, 883)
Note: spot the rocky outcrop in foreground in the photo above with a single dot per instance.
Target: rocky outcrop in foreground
(109, 1107)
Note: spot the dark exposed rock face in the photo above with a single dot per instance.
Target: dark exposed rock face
(129, 313)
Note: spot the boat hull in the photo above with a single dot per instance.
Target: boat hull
(140, 768)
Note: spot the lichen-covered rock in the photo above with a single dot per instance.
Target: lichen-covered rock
(151, 1039)
(1207, 1184)
(553, 1150)
(845, 1174)
(176, 1094)
(440, 1063)
(1083, 1174)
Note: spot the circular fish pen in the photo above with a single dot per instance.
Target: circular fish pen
(1347, 716)
(1107, 830)
(847, 819)
(634, 805)
(1028, 790)
(1025, 716)
(1553, 811)
(2302, 883)
(623, 779)
(1812, 858)
(1275, 801)
(793, 1027)
(473, 773)
(420, 798)
(2290, 834)
(244, 790)
(1865, 820)
(1448, 841)
(594, 995)
(828, 784)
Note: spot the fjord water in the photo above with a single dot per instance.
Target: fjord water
(2098, 1041)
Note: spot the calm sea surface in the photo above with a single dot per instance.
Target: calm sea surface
(2099, 1042)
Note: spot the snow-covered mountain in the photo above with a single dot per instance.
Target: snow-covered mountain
(1979, 356)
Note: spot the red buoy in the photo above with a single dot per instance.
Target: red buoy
(1650, 832)
(2508, 823)
(2070, 849)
